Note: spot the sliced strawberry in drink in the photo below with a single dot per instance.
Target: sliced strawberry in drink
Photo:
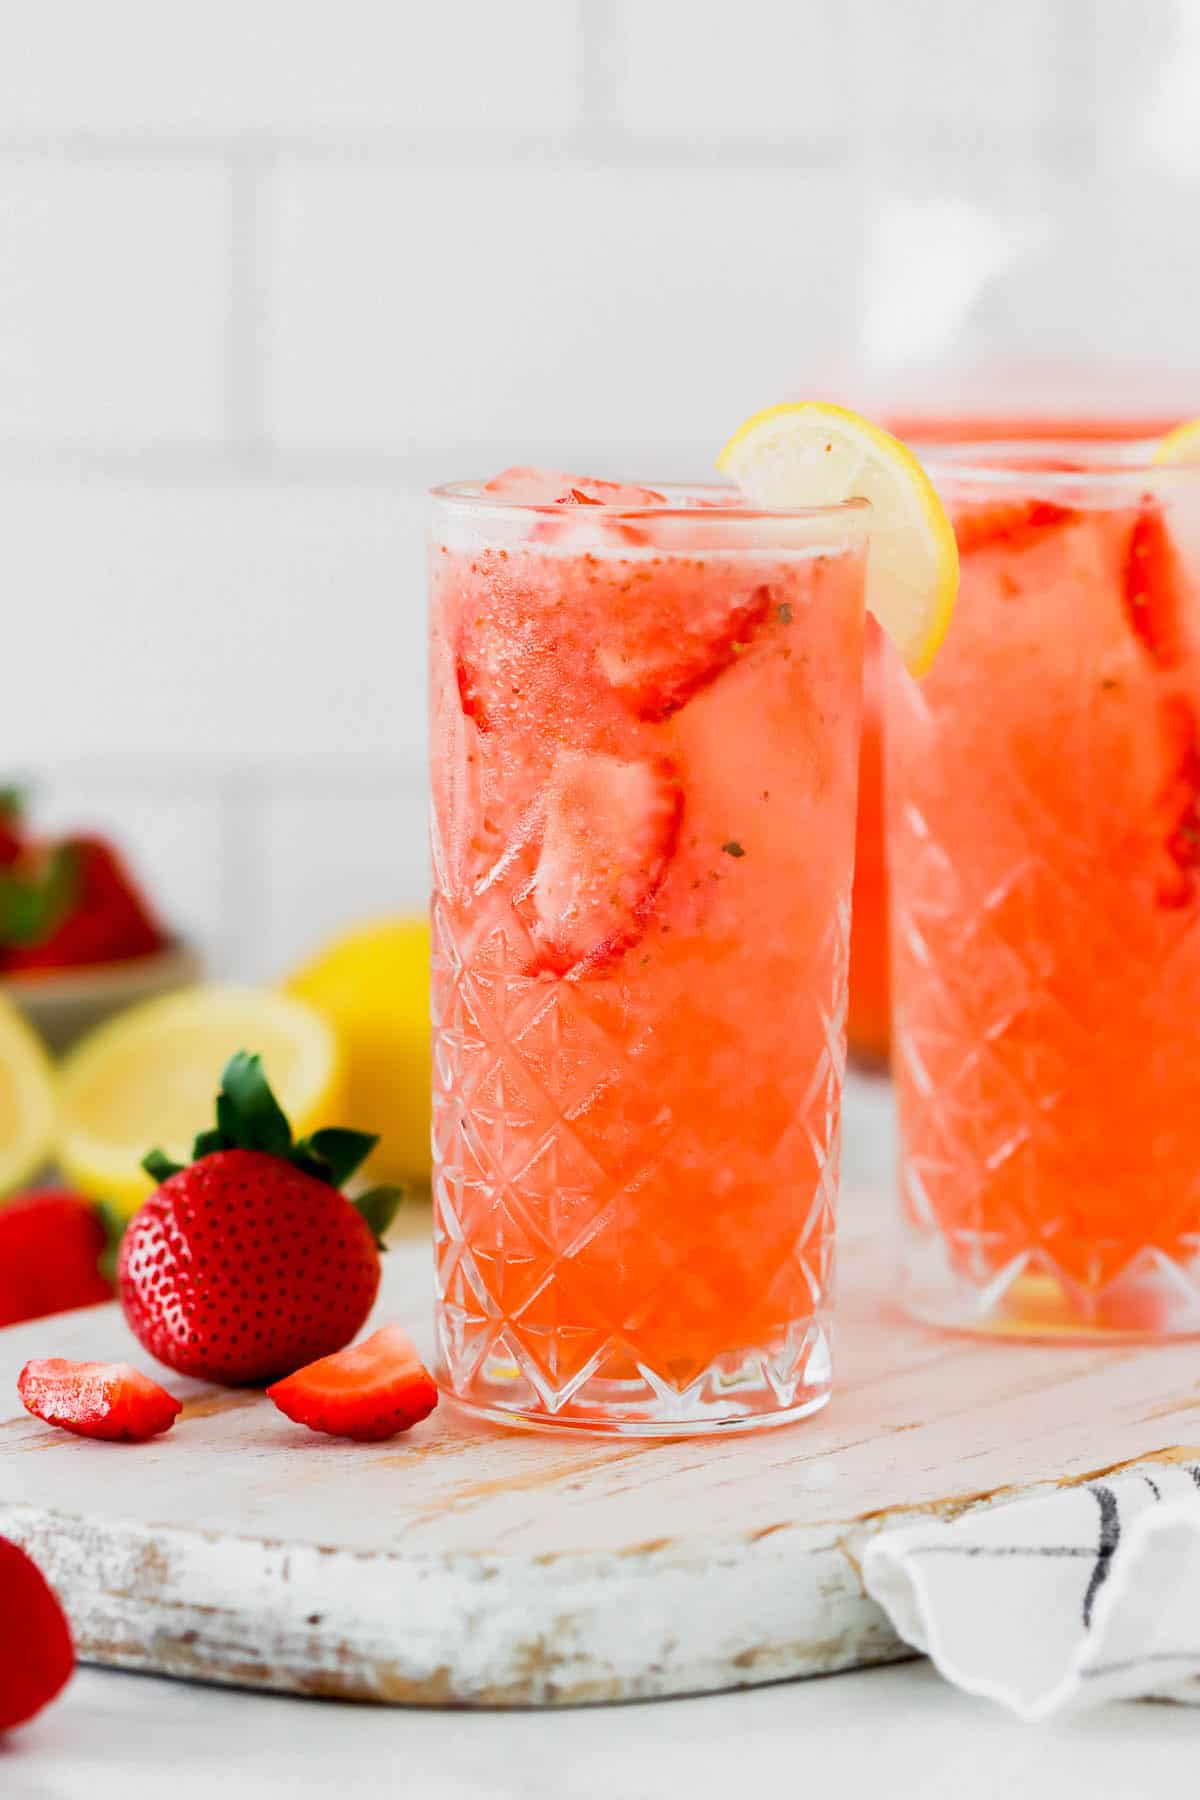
(984, 524)
(114, 1401)
(492, 664)
(550, 487)
(370, 1392)
(1179, 806)
(658, 660)
(609, 833)
(1155, 592)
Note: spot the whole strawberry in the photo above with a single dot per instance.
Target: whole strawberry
(249, 1262)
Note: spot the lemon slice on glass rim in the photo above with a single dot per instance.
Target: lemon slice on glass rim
(27, 1102)
(1180, 446)
(808, 453)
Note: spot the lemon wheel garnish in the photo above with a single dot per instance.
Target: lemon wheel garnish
(148, 1077)
(810, 454)
(1179, 446)
(27, 1102)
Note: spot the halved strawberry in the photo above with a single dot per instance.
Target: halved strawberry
(609, 832)
(113, 1401)
(369, 1392)
(982, 524)
(1155, 586)
(658, 659)
(1179, 806)
(551, 487)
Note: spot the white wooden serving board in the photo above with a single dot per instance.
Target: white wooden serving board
(464, 1565)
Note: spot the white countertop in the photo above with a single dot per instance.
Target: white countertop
(895, 1731)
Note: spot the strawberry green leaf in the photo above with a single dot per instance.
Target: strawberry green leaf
(302, 1158)
(114, 1230)
(209, 1143)
(247, 1110)
(159, 1166)
(341, 1150)
(33, 904)
(378, 1207)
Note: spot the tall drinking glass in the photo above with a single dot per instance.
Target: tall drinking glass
(1044, 840)
(644, 737)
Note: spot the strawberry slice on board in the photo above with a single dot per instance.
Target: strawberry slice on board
(370, 1392)
(1155, 590)
(112, 1401)
(658, 660)
(610, 828)
(985, 524)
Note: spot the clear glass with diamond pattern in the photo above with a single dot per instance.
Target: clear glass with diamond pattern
(644, 724)
(1044, 850)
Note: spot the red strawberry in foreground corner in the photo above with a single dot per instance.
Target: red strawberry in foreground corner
(370, 1392)
(52, 1246)
(250, 1262)
(609, 834)
(112, 1401)
(37, 1656)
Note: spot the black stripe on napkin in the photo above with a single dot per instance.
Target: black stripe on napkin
(1110, 1537)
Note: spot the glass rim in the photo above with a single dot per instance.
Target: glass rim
(715, 500)
(1108, 463)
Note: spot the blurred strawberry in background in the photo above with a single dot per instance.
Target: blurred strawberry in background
(54, 1246)
(67, 902)
(10, 826)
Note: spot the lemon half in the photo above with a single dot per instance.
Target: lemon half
(27, 1103)
(150, 1077)
(372, 984)
(808, 453)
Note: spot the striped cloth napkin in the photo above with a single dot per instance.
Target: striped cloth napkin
(1061, 1600)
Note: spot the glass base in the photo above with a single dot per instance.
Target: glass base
(621, 1426)
(747, 1391)
(1154, 1297)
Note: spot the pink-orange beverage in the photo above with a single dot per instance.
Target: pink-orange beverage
(1044, 798)
(644, 720)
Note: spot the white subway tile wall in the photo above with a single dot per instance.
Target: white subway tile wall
(269, 267)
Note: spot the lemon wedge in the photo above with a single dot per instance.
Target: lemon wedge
(1180, 446)
(27, 1103)
(148, 1078)
(808, 453)
(372, 984)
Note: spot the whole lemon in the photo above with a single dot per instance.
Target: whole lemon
(372, 984)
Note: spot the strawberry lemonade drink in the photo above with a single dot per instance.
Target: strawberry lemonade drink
(645, 713)
(1044, 797)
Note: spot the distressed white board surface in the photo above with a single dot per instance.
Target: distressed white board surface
(468, 1565)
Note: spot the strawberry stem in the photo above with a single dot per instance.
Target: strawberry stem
(249, 1117)
(379, 1207)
